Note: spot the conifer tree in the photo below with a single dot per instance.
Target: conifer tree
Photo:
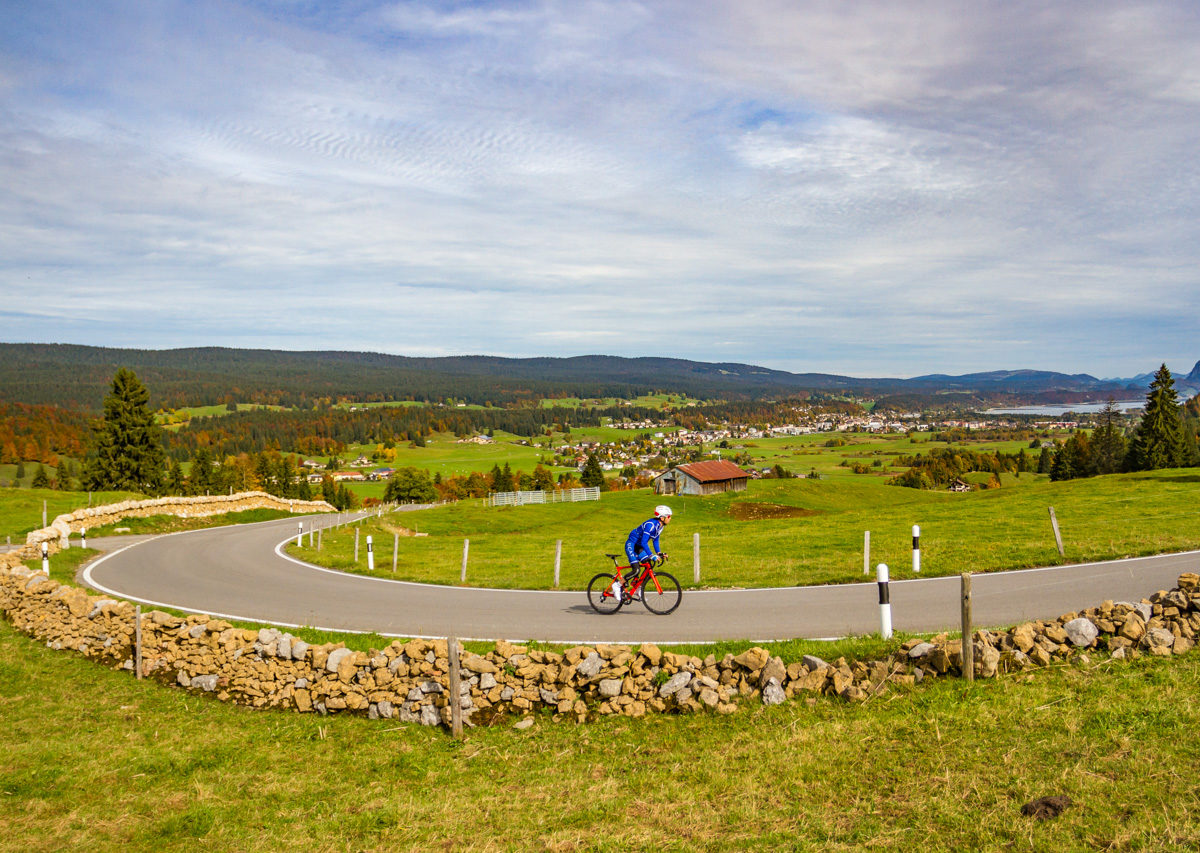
(592, 475)
(41, 480)
(1108, 441)
(127, 453)
(1158, 441)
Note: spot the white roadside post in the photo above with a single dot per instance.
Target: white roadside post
(83, 538)
(557, 560)
(866, 552)
(885, 601)
(462, 578)
(916, 549)
(357, 530)
(299, 533)
(696, 559)
(46, 558)
(395, 550)
(370, 554)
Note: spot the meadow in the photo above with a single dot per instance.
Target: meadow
(786, 532)
(92, 758)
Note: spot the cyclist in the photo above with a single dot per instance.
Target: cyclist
(637, 545)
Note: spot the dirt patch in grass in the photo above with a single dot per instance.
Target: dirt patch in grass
(759, 511)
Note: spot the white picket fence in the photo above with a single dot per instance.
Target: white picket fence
(558, 496)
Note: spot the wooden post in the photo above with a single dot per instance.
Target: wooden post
(696, 559)
(968, 645)
(466, 547)
(137, 635)
(1057, 535)
(319, 538)
(395, 550)
(456, 726)
(557, 560)
(867, 552)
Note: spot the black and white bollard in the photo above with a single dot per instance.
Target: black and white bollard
(370, 554)
(83, 538)
(299, 533)
(916, 549)
(885, 601)
(46, 558)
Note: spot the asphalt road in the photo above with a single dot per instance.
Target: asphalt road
(241, 573)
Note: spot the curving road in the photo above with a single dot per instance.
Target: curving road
(241, 573)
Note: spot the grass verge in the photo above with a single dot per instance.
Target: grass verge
(942, 768)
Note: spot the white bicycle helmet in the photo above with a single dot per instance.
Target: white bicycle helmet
(662, 511)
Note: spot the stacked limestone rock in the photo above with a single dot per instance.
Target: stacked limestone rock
(409, 681)
(198, 506)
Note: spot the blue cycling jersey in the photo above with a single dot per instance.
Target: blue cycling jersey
(637, 546)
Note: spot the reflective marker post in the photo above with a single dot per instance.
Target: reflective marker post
(885, 601)
(916, 549)
(866, 552)
(46, 558)
(83, 538)
(299, 533)
(370, 555)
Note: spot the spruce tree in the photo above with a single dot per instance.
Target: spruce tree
(1158, 441)
(126, 451)
(1108, 441)
(41, 480)
(592, 475)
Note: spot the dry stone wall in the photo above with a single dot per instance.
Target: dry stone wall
(409, 681)
(199, 506)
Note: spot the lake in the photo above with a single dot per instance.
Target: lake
(1063, 408)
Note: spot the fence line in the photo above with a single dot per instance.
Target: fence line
(557, 496)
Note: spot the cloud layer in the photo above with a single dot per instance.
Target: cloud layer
(859, 188)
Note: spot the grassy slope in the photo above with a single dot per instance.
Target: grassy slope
(1101, 518)
(21, 509)
(941, 768)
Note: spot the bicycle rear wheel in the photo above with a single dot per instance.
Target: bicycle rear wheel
(662, 597)
(600, 594)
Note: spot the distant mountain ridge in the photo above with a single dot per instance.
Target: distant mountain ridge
(77, 376)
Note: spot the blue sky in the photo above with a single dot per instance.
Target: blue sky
(875, 189)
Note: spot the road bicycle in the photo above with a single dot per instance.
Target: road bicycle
(660, 592)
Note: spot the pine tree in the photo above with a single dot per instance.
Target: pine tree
(1108, 441)
(126, 452)
(1158, 441)
(41, 480)
(592, 475)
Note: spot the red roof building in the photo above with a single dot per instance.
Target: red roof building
(702, 478)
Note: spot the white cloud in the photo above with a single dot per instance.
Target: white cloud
(856, 188)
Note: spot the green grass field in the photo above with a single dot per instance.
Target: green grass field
(21, 509)
(787, 532)
(93, 759)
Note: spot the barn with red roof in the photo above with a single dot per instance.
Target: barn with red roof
(702, 478)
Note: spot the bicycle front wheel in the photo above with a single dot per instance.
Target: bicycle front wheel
(601, 596)
(661, 593)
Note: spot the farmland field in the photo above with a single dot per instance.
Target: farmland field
(787, 532)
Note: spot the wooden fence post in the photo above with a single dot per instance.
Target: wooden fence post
(968, 645)
(137, 649)
(1057, 535)
(456, 725)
